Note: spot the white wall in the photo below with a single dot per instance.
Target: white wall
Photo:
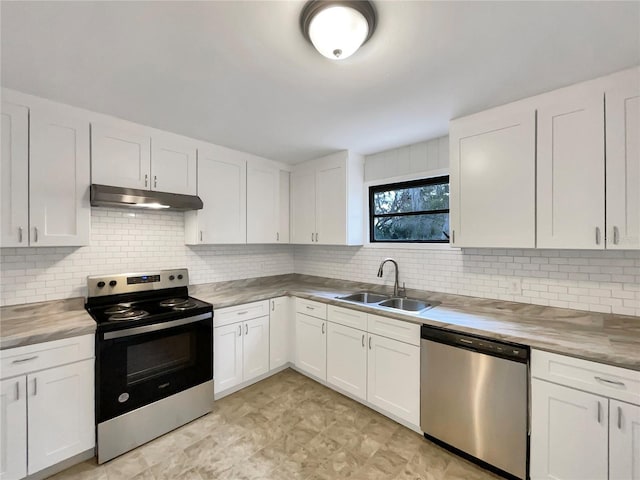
(128, 241)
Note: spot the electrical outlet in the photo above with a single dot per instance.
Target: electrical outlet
(514, 286)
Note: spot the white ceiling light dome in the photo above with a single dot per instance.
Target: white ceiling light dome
(338, 28)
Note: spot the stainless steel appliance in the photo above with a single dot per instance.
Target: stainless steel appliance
(154, 357)
(474, 398)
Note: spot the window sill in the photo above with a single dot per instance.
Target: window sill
(410, 246)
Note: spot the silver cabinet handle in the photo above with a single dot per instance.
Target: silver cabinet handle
(312, 236)
(28, 359)
(316, 237)
(273, 305)
(35, 386)
(242, 312)
(155, 181)
(35, 234)
(619, 418)
(453, 236)
(18, 391)
(616, 235)
(310, 308)
(19, 234)
(246, 329)
(597, 235)
(599, 412)
(200, 235)
(323, 328)
(277, 236)
(610, 382)
(239, 330)
(363, 340)
(146, 179)
(369, 343)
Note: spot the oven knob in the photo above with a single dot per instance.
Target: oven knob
(113, 283)
(100, 284)
(123, 397)
(171, 277)
(180, 277)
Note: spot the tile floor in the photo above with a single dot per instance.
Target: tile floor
(285, 427)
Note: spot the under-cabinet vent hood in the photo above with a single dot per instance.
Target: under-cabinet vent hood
(108, 196)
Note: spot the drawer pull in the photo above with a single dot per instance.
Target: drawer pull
(610, 382)
(244, 312)
(239, 330)
(28, 359)
(310, 308)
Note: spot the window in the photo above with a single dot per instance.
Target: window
(410, 212)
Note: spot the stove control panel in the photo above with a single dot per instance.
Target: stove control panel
(101, 285)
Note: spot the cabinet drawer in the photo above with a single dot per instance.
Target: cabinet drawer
(31, 358)
(311, 308)
(606, 380)
(391, 328)
(347, 317)
(240, 313)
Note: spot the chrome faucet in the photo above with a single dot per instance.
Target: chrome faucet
(395, 284)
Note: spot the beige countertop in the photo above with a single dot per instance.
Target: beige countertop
(606, 338)
(43, 321)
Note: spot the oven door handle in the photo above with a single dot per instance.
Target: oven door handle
(129, 332)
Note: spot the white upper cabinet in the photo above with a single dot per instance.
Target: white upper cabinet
(622, 107)
(570, 175)
(263, 203)
(120, 156)
(14, 174)
(134, 156)
(222, 183)
(59, 177)
(492, 178)
(326, 200)
(173, 165)
(283, 229)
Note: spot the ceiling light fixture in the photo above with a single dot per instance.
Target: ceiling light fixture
(337, 28)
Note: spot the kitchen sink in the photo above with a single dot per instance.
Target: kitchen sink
(364, 297)
(406, 304)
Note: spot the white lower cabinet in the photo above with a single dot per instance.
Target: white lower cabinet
(13, 428)
(347, 359)
(393, 379)
(46, 405)
(568, 433)
(311, 345)
(624, 441)
(241, 352)
(279, 332)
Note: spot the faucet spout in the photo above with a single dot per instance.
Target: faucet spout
(381, 271)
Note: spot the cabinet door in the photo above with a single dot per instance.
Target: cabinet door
(303, 206)
(624, 441)
(13, 429)
(568, 433)
(255, 348)
(331, 204)
(393, 380)
(347, 359)
(227, 350)
(279, 332)
(222, 186)
(173, 165)
(59, 210)
(61, 414)
(283, 208)
(493, 178)
(120, 157)
(263, 198)
(311, 345)
(570, 199)
(14, 174)
(623, 163)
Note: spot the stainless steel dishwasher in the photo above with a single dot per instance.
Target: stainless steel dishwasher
(474, 398)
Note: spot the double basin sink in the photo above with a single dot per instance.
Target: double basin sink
(376, 300)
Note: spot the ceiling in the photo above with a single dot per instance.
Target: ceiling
(240, 74)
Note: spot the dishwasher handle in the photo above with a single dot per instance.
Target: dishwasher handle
(509, 351)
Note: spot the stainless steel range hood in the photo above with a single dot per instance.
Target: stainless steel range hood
(108, 196)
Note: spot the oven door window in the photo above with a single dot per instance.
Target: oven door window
(140, 369)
